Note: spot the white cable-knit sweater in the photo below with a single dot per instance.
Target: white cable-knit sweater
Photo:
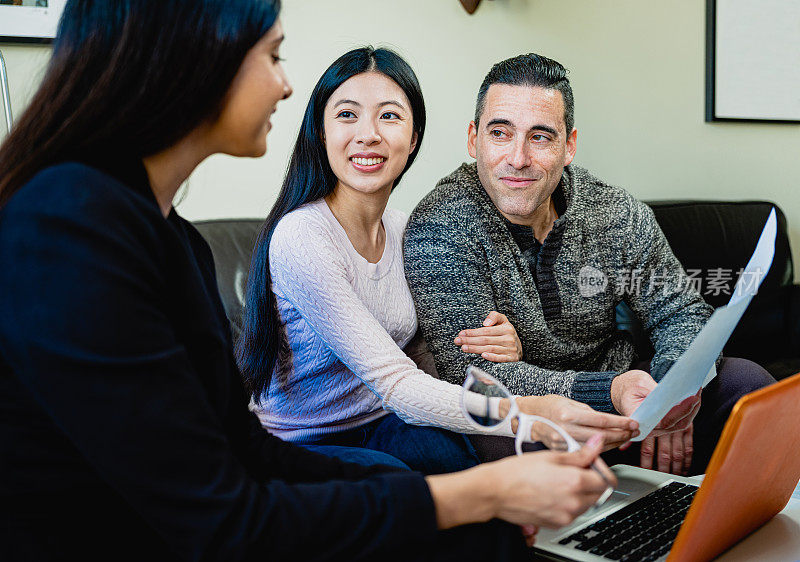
(346, 321)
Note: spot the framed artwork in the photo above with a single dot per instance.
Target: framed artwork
(753, 60)
(29, 21)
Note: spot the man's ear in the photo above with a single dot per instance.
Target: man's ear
(572, 146)
(472, 139)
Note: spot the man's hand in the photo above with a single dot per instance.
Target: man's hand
(496, 341)
(672, 439)
(542, 489)
(672, 436)
(578, 419)
(674, 451)
(680, 417)
(629, 389)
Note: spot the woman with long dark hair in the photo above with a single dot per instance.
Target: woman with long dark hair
(327, 282)
(125, 432)
(328, 308)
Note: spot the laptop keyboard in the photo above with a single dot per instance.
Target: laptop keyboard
(642, 531)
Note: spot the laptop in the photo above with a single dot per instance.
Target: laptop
(653, 516)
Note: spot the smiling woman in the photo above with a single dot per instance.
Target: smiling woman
(243, 123)
(310, 178)
(327, 285)
(369, 135)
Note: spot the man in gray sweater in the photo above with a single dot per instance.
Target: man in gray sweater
(524, 232)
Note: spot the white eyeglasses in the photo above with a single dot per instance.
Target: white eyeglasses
(486, 403)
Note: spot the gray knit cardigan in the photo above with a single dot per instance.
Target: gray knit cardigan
(461, 262)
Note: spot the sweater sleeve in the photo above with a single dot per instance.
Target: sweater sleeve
(452, 289)
(671, 311)
(84, 330)
(313, 277)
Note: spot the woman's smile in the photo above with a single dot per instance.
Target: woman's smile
(369, 133)
(368, 161)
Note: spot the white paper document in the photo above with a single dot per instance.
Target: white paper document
(696, 367)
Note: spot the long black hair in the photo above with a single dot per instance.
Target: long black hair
(131, 77)
(309, 177)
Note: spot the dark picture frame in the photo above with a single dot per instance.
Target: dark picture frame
(30, 24)
(712, 112)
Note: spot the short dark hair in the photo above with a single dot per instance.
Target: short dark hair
(530, 70)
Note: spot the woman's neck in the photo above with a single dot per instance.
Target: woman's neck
(168, 169)
(360, 215)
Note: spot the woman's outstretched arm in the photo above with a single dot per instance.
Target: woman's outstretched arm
(309, 271)
(88, 331)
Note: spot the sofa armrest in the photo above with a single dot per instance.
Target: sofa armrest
(417, 350)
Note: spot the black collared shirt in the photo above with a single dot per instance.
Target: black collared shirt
(525, 239)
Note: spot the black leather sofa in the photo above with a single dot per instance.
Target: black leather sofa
(705, 235)
(714, 238)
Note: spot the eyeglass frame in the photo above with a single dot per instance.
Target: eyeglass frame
(525, 423)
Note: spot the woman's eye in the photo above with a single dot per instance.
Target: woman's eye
(276, 59)
(390, 115)
(346, 114)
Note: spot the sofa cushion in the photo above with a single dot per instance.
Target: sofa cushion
(714, 235)
(232, 242)
(715, 239)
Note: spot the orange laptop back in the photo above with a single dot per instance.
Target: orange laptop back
(751, 476)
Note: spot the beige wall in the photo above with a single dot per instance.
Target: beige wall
(637, 68)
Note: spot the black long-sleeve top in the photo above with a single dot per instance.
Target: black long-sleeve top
(124, 424)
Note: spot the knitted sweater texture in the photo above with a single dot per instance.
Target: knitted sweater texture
(346, 321)
(462, 262)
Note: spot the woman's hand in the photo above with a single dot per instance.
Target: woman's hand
(542, 489)
(496, 341)
(529, 534)
(552, 490)
(578, 419)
